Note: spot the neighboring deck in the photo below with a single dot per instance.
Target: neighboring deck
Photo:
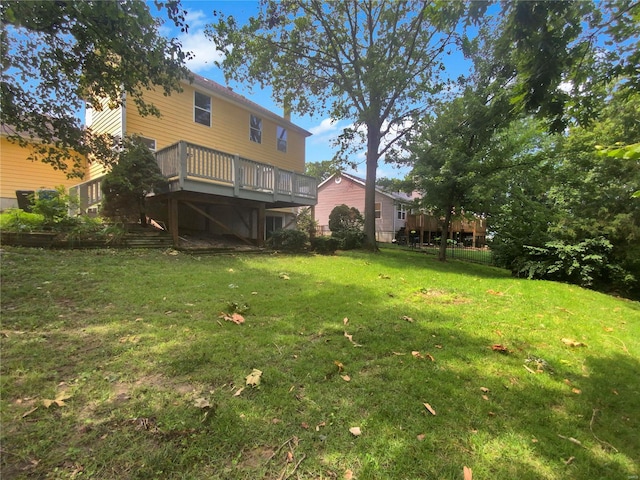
(193, 168)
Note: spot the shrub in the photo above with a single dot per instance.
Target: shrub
(54, 207)
(127, 185)
(352, 239)
(306, 223)
(325, 245)
(587, 263)
(344, 218)
(17, 220)
(347, 226)
(289, 240)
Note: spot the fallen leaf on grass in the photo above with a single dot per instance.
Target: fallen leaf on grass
(345, 320)
(468, 474)
(348, 475)
(493, 292)
(577, 391)
(284, 276)
(355, 431)
(484, 390)
(350, 337)
(417, 354)
(253, 378)
(29, 412)
(572, 343)
(321, 424)
(234, 317)
(496, 347)
(305, 425)
(571, 439)
(339, 365)
(201, 403)
(569, 460)
(59, 400)
(429, 408)
(608, 329)
(238, 392)
(421, 437)
(408, 319)
(346, 378)
(484, 397)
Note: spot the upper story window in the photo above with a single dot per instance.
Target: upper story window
(202, 109)
(378, 209)
(255, 129)
(282, 139)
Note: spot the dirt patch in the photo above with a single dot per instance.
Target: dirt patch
(255, 458)
(441, 296)
(122, 390)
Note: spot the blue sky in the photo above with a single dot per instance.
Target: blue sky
(323, 128)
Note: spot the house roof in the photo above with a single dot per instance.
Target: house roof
(228, 94)
(397, 196)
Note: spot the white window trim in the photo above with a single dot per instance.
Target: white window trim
(280, 141)
(195, 106)
(252, 129)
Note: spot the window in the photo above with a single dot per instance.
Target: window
(378, 209)
(149, 142)
(402, 212)
(202, 109)
(255, 129)
(282, 139)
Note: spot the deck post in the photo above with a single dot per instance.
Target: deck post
(173, 220)
(182, 153)
(276, 182)
(236, 175)
(261, 223)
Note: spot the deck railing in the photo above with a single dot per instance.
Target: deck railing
(89, 193)
(184, 161)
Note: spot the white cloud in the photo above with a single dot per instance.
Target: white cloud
(327, 125)
(203, 50)
(196, 19)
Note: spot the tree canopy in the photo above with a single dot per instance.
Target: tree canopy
(376, 63)
(566, 50)
(59, 56)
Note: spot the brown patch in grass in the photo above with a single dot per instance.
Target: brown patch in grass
(255, 458)
(441, 296)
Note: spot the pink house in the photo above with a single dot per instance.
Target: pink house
(338, 189)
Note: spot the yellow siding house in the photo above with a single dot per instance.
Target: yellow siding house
(19, 174)
(234, 167)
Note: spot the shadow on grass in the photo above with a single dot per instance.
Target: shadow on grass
(522, 429)
(492, 414)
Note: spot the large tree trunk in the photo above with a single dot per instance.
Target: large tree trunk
(442, 253)
(373, 142)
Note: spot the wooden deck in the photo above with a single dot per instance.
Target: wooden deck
(194, 168)
(198, 169)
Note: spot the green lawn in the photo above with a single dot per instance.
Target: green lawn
(527, 379)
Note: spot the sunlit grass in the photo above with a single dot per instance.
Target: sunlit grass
(137, 342)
